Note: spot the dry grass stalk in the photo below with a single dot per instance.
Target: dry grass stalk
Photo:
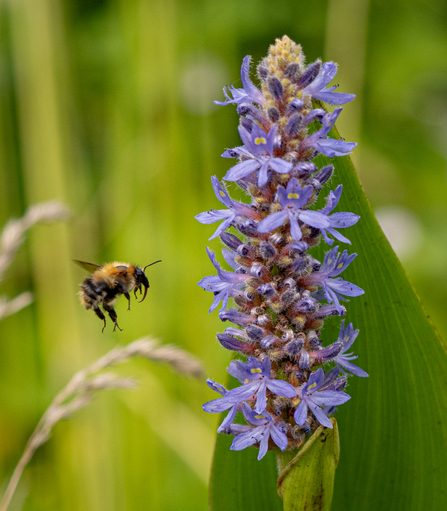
(79, 391)
(13, 234)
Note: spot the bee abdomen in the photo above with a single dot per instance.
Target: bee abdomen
(92, 293)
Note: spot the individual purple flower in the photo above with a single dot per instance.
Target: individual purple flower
(293, 199)
(259, 380)
(248, 94)
(347, 336)
(328, 146)
(258, 148)
(235, 210)
(334, 263)
(317, 400)
(219, 405)
(265, 429)
(338, 220)
(317, 88)
(224, 285)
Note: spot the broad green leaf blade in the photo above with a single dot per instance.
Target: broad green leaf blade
(239, 482)
(393, 431)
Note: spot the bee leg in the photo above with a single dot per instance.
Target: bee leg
(135, 292)
(100, 315)
(116, 325)
(127, 295)
(112, 314)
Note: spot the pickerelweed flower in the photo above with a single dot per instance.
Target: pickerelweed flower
(281, 292)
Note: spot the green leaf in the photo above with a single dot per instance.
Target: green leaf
(393, 431)
(239, 482)
(306, 475)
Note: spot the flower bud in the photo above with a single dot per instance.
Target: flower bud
(230, 240)
(309, 75)
(275, 87)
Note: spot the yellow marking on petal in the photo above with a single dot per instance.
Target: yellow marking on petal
(259, 416)
(340, 266)
(253, 371)
(260, 140)
(312, 386)
(222, 193)
(293, 196)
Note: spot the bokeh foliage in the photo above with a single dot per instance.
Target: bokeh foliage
(106, 105)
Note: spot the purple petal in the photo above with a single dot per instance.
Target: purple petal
(278, 437)
(334, 98)
(330, 398)
(317, 378)
(280, 166)
(244, 440)
(281, 388)
(228, 419)
(263, 176)
(243, 392)
(261, 400)
(331, 147)
(345, 288)
(301, 413)
(320, 415)
(314, 219)
(217, 405)
(209, 217)
(295, 230)
(238, 370)
(253, 93)
(220, 192)
(272, 222)
(336, 235)
(241, 170)
(263, 445)
(343, 219)
(352, 368)
(222, 227)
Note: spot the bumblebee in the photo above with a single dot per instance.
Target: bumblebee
(107, 283)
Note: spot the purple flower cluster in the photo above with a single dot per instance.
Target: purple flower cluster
(282, 293)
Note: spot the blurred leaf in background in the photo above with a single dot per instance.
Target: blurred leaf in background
(105, 106)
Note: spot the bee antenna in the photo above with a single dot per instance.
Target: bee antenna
(159, 261)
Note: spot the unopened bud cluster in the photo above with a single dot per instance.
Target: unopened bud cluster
(282, 293)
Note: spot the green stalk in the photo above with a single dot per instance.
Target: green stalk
(306, 475)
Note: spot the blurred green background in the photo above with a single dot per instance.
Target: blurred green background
(107, 106)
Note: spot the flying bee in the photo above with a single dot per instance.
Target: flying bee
(107, 283)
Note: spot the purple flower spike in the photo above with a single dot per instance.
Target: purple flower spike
(337, 220)
(293, 199)
(258, 148)
(265, 429)
(248, 94)
(347, 336)
(259, 381)
(224, 285)
(282, 294)
(229, 216)
(317, 88)
(317, 400)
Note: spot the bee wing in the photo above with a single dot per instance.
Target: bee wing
(91, 267)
